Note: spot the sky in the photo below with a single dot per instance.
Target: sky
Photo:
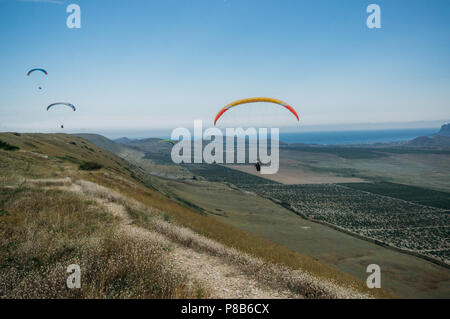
(141, 66)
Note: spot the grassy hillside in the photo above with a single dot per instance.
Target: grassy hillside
(103, 142)
(76, 228)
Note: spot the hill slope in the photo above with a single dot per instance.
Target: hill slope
(153, 247)
(438, 140)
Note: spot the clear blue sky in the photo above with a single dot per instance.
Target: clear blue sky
(141, 65)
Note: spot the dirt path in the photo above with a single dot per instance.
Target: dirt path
(223, 271)
(218, 276)
(222, 279)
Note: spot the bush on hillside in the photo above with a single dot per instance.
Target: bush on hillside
(7, 147)
(90, 166)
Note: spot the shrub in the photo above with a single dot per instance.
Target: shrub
(90, 166)
(7, 147)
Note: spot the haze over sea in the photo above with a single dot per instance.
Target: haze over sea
(356, 137)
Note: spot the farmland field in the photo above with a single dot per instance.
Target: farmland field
(291, 172)
(404, 225)
(219, 173)
(413, 194)
(427, 169)
(356, 152)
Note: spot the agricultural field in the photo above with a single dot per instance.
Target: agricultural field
(291, 172)
(413, 194)
(428, 169)
(219, 173)
(363, 152)
(399, 223)
(343, 152)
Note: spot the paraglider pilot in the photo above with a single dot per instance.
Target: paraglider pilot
(258, 166)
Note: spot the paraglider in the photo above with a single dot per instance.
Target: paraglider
(37, 70)
(34, 70)
(62, 103)
(167, 141)
(254, 100)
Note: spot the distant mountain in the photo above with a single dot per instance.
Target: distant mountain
(123, 140)
(147, 144)
(445, 130)
(439, 140)
(433, 141)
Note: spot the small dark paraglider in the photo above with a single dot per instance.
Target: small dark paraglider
(62, 103)
(39, 70)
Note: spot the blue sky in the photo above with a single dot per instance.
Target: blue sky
(141, 65)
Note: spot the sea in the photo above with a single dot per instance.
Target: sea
(356, 137)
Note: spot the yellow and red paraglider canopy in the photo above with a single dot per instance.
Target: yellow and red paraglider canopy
(255, 100)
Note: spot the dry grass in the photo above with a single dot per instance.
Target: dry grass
(298, 282)
(44, 231)
(54, 156)
(264, 250)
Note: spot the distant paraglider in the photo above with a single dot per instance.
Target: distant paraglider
(37, 70)
(254, 100)
(62, 103)
(167, 141)
(34, 70)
